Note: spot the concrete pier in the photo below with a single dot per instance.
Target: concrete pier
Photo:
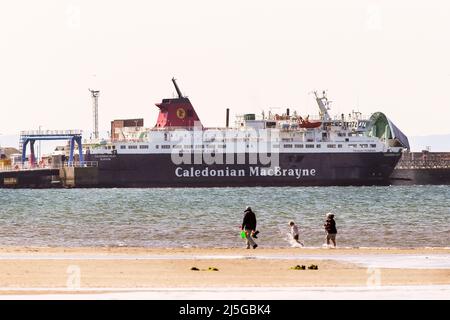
(79, 177)
(35, 178)
(63, 177)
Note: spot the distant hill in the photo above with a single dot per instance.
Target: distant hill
(9, 141)
(12, 140)
(8, 151)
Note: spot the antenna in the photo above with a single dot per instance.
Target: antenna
(180, 95)
(324, 105)
(95, 94)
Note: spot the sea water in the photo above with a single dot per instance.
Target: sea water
(392, 216)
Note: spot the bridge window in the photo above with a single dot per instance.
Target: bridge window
(123, 147)
(373, 145)
(132, 147)
(299, 146)
(309, 146)
(143, 146)
(165, 146)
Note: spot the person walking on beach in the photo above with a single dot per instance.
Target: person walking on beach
(295, 232)
(330, 228)
(249, 226)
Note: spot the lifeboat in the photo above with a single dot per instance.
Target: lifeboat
(305, 123)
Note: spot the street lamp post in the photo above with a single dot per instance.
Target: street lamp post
(39, 152)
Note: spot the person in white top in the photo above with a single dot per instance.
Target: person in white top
(295, 232)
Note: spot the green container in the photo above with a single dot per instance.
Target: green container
(243, 235)
(249, 116)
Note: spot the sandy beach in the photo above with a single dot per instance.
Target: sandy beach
(43, 271)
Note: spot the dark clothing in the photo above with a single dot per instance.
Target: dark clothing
(330, 226)
(249, 222)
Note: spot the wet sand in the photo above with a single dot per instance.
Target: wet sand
(28, 271)
(219, 251)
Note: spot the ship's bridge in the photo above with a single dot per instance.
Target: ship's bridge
(380, 126)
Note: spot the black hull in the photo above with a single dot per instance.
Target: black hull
(312, 169)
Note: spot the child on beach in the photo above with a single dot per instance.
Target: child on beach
(295, 232)
(330, 228)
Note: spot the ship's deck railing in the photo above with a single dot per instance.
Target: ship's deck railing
(423, 164)
(29, 167)
(50, 132)
(21, 168)
(84, 164)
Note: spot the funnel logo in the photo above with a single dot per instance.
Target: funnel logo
(181, 113)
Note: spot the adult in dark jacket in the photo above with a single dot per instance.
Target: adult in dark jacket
(249, 226)
(330, 228)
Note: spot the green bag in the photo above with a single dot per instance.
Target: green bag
(243, 234)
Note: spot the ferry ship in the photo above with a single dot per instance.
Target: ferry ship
(268, 150)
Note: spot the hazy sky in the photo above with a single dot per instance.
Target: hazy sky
(390, 56)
